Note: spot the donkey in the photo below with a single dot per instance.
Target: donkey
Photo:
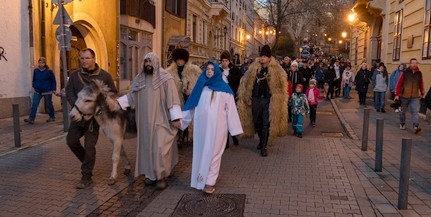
(95, 100)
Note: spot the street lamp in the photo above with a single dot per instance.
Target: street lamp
(344, 34)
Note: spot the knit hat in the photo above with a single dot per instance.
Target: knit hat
(42, 59)
(312, 81)
(265, 51)
(180, 54)
(300, 86)
(225, 55)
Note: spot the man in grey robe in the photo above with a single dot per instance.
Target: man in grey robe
(154, 95)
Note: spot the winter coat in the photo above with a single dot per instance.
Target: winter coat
(277, 82)
(315, 91)
(362, 79)
(190, 75)
(299, 104)
(393, 79)
(347, 78)
(43, 80)
(380, 82)
(410, 84)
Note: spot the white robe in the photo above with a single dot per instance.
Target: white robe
(212, 119)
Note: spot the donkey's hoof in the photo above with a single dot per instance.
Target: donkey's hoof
(127, 171)
(111, 181)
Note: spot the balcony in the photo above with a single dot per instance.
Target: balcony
(219, 9)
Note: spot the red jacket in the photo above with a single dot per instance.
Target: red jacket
(316, 94)
(410, 84)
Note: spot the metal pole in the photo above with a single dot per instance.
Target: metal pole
(406, 151)
(365, 125)
(379, 145)
(64, 66)
(16, 126)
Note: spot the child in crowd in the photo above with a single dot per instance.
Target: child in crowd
(299, 105)
(313, 97)
(347, 81)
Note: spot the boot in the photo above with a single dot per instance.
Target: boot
(235, 140)
(263, 150)
(259, 133)
(227, 143)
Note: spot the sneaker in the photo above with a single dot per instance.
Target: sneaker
(313, 124)
(50, 120)
(397, 110)
(28, 120)
(417, 130)
(208, 189)
(148, 181)
(84, 183)
(383, 111)
(402, 126)
(161, 184)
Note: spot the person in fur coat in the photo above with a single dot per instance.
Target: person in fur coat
(262, 103)
(185, 76)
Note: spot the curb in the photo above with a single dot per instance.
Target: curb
(37, 144)
(344, 124)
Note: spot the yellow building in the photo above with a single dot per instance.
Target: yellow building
(393, 31)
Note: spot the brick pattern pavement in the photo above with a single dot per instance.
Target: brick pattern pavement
(312, 176)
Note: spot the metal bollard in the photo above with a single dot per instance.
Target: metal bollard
(379, 145)
(16, 126)
(403, 194)
(365, 126)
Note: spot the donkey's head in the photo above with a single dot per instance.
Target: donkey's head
(89, 101)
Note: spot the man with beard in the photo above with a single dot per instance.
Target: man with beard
(262, 103)
(185, 75)
(89, 129)
(154, 95)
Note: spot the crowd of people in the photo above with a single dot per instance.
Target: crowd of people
(223, 100)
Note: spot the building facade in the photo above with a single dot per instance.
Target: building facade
(120, 32)
(393, 31)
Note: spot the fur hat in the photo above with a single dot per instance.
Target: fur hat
(180, 54)
(265, 51)
(225, 55)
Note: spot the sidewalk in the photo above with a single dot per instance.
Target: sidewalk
(313, 176)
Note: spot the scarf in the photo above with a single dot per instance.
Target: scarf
(311, 97)
(215, 83)
(160, 76)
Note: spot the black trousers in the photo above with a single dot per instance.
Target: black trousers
(362, 97)
(260, 111)
(330, 91)
(313, 109)
(86, 154)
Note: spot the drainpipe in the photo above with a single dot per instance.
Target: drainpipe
(42, 29)
(30, 32)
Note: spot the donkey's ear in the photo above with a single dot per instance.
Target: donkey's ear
(93, 84)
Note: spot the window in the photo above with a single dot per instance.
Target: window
(398, 20)
(194, 29)
(426, 48)
(133, 44)
(177, 7)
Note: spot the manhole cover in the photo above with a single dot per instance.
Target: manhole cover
(324, 113)
(210, 205)
(333, 134)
